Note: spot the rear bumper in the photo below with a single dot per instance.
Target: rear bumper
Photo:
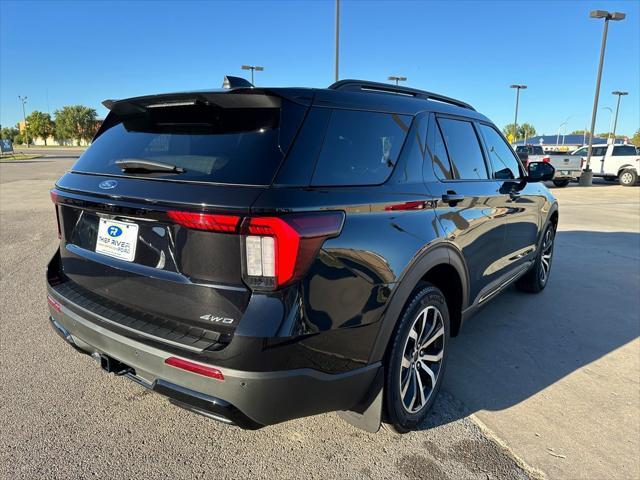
(567, 174)
(246, 399)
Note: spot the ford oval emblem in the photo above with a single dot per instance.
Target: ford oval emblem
(114, 231)
(108, 184)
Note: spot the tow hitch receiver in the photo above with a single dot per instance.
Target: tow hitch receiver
(111, 365)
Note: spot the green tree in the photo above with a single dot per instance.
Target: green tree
(636, 138)
(525, 130)
(75, 122)
(9, 133)
(40, 125)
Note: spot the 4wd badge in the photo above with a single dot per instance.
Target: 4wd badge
(215, 319)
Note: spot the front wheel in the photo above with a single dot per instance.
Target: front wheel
(417, 358)
(628, 178)
(561, 183)
(537, 277)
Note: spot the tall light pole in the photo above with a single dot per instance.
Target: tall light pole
(615, 123)
(397, 79)
(610, 120)
(515, 122)
(23, 101)
(586, 178)
(337, 76)
(252, 68)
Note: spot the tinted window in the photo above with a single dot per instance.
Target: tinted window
(581, 152)
(625, 150)
(464, 151)
(239, 146)
(360, 148)
(598, 151)
(439, 156)
(537, 150)
(504, 163)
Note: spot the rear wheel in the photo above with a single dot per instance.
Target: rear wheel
(561, 183)
(628, 178)
(537, 277)
(417, 359)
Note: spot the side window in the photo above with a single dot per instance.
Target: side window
(504, 163)
(624, 150)
(465, 155)
(360, 148)
(598, 151)
(581, 152)
(439, 155)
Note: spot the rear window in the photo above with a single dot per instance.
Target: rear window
(360, 148)
(220, 145)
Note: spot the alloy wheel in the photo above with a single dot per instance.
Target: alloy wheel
(547, 254)
(626, 178)
(422, 359)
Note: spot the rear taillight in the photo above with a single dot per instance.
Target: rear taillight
(546, 159)
(205, 221)
(194, 367)
(54, 199)
(279, 250)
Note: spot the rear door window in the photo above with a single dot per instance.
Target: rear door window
(463, 147)
(624, 150)
(360, 148)
(503, 161)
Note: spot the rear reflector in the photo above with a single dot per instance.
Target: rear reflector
(206, 221)
(416, 205)
(54, 304)
(195, 367)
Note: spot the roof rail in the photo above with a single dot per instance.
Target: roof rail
(367, 86)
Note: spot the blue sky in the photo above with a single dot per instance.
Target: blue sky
(60, 53)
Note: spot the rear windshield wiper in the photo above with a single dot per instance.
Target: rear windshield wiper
(140, 164)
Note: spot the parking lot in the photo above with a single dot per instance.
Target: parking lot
(544, 385)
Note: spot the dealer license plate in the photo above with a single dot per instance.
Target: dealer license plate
(117, 239)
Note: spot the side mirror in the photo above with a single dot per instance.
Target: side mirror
(540, 172)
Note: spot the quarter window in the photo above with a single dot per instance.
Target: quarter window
(504, 163)
(465, 155)
(360, 148)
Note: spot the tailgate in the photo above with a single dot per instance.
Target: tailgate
(565, 163)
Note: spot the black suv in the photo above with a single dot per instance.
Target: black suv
(262, 254)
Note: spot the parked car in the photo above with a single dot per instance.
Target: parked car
(568, 167)
(613, 162)
(262, 254)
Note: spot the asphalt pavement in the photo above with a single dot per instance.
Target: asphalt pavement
(62, 417)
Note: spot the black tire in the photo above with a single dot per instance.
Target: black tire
(537, 277)
(628, 177)
(420, 311)
(561, 183)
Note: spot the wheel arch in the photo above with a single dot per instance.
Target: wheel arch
(441, 264)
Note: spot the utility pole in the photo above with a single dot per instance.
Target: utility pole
(337, 75)
(515, 122)
(397, 79)
(615, 123)
(23, 100)
(586, 178)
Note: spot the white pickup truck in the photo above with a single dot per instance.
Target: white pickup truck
(613, 162)
(568, 167)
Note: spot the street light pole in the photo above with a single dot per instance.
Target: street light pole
(337, 40)
(610, 120)
(615, 123)
(23, 100)
(252, 68)
(515, 122)
(397, 79)
(586, 178)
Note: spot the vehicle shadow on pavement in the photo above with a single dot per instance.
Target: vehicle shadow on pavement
(520, 344)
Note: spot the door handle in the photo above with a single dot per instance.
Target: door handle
(452, 197)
